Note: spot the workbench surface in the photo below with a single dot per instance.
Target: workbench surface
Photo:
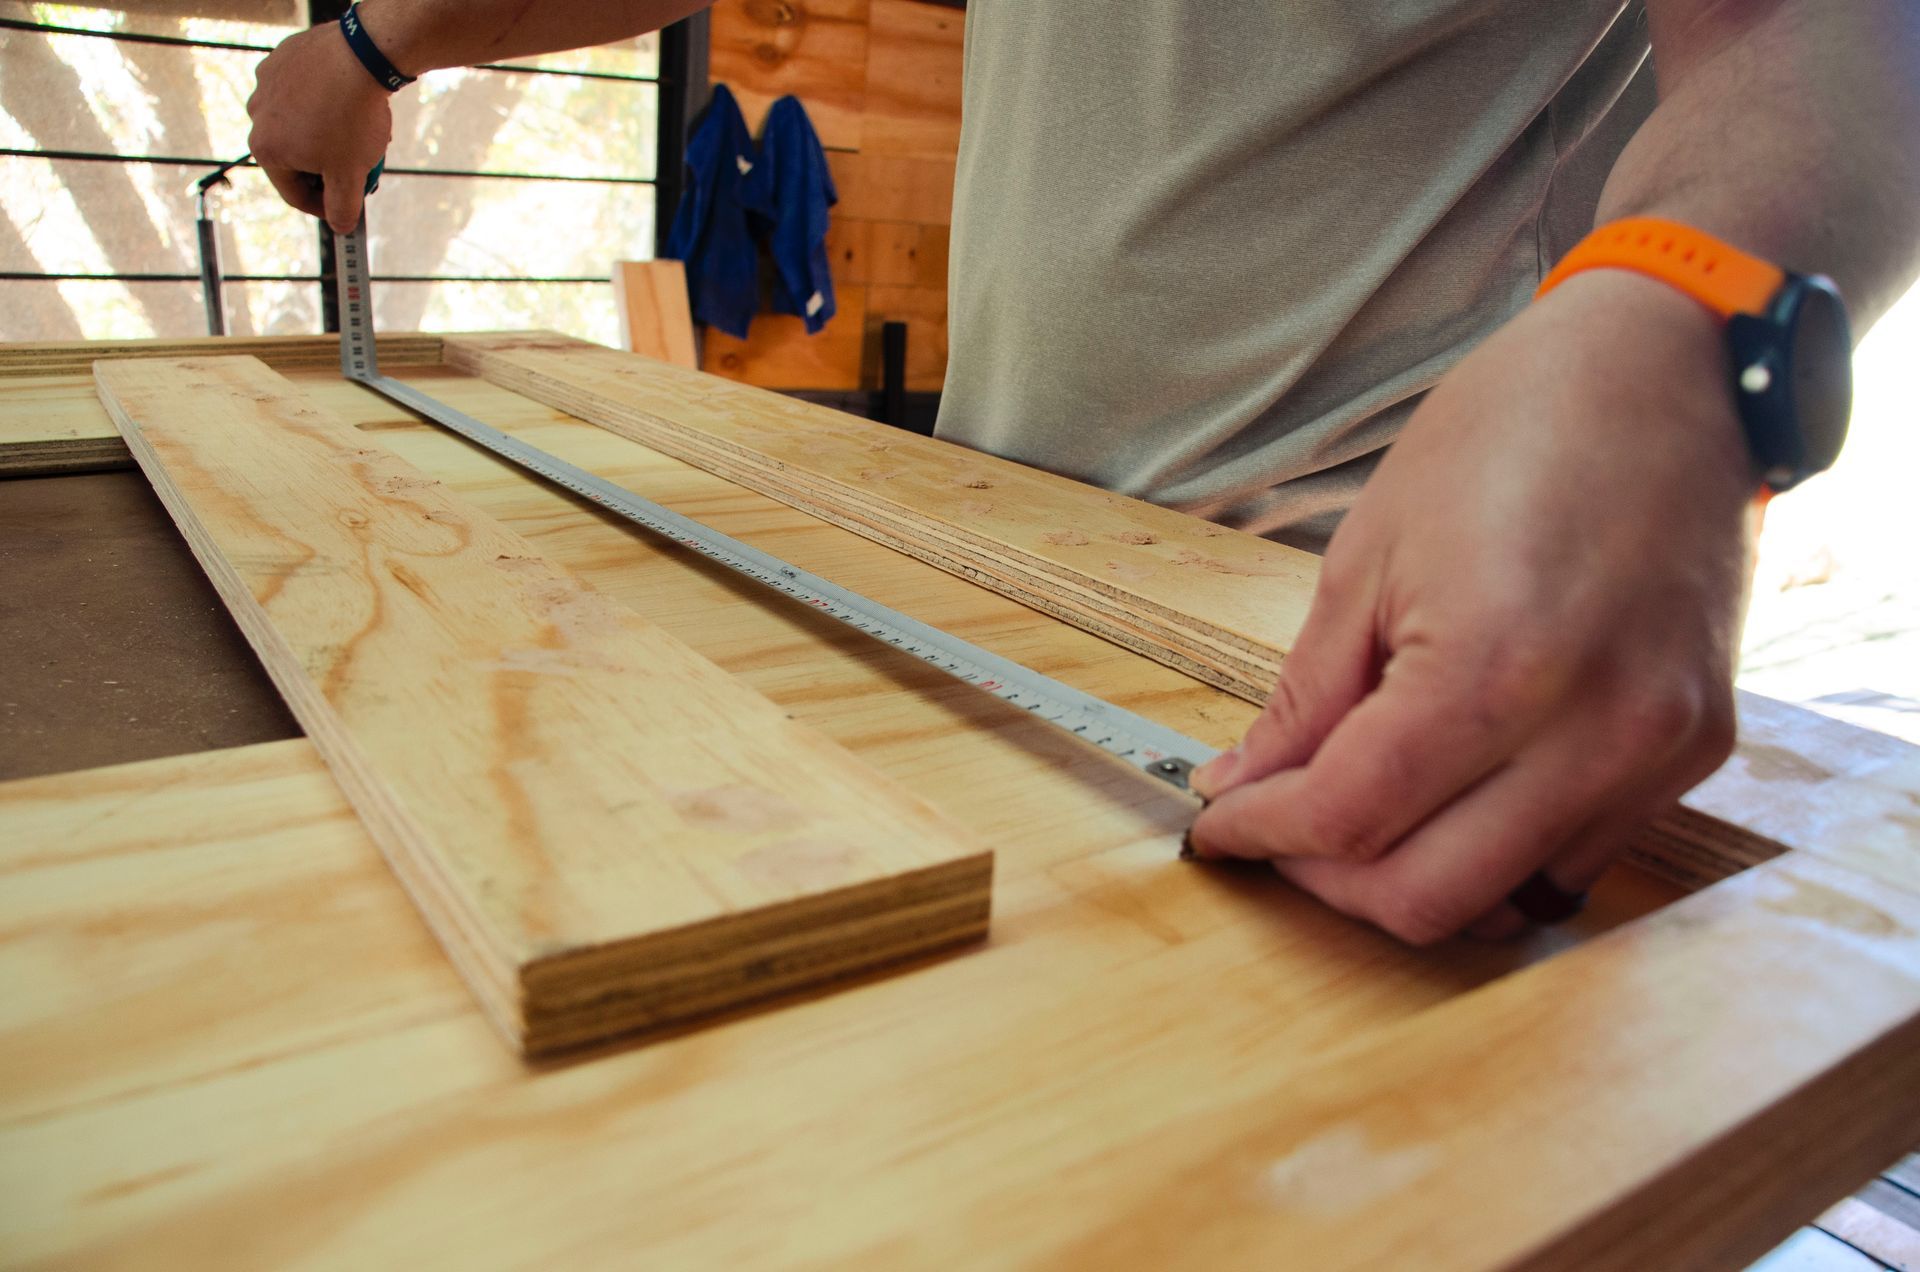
(228, 1039)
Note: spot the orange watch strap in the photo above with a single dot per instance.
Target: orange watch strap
(1723, 278)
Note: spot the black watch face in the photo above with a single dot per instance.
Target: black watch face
(1821, 369)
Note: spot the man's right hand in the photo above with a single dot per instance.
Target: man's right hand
(320, 124)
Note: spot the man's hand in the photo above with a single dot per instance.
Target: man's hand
(320, 123)
(1522, 644)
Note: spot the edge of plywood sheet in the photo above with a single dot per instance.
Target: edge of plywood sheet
(74, 357)
(1680, 1093)
(606, 831)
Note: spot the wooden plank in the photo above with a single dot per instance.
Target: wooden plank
(1798, 974)
(51, 422)
(399, 349)
(913, 79)
(605, 831)
(1703, 1074)
(986, 1107)
(656, 318)
(779, 354)
(1218, 604)
(815, 50)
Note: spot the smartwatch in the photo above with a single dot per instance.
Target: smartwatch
(1792, 352)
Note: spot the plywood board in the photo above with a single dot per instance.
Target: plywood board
(656, 317)
(605, 830)
(225, 1040)
(51, 422)
(1216, 603)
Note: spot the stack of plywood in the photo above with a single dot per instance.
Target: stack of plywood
(605, 830)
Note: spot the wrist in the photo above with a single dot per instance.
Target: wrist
(1673, 348)
(388, 44)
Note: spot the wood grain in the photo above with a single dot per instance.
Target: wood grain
(605, 831)
(226, 1039)
(656, 317)
(1218, 604)
(400, 349)
(51, 422)
(882, 187)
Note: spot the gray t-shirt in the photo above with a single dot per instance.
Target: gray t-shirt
(1211, 252)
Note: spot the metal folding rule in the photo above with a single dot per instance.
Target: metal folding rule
(1151, 747)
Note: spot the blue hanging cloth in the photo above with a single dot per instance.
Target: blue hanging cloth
(789, 192)
(710, 230)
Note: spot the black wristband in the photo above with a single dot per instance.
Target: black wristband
(369, 53)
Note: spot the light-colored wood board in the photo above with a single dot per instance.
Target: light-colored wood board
(880, 187)
(1216, 603)
(913, 79)
(1114, 563)
(1332, 1094)
(656, 318)
(942, 1111)
(605, 830)
(778, 352)
(815, 50)
(398, 349)
(1799, 974)
(51, 422)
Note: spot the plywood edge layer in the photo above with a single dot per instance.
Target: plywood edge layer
(400, 349)
(579, 888)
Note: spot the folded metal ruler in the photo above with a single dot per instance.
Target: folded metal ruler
(1146, 745)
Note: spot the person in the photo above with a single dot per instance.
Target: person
(1219, 255)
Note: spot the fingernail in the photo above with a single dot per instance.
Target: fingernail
(1206, 780)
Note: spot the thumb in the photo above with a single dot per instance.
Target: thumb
(1331, 667)
(342, 193)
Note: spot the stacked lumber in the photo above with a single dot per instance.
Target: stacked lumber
(1218, 604)
(1215, 603)
(605, 831)
(283, 353)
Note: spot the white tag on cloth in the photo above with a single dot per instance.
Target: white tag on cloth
(814, 302)
(743, 163)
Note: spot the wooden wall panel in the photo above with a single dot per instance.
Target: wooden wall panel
(813, 49)
(913, 79)
(881, 81)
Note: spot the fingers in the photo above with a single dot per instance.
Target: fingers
(1462, 864)
(299, 189)
(1577, 865)
(1458, 868)
(1330, 668)
(1426, 734)
(342, 196)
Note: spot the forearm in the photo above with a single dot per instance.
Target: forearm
(1790, 128)
(427, 35)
